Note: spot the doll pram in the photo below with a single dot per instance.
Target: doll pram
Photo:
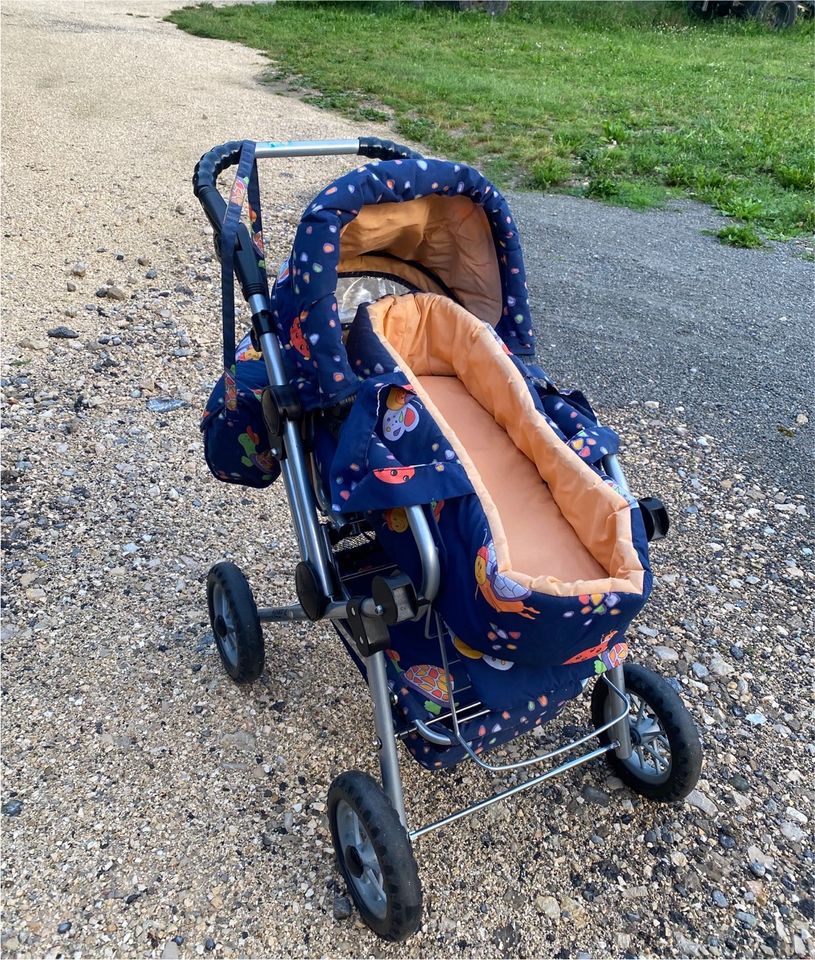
(464, 525)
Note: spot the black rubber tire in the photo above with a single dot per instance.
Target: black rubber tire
(394, 855)
(683, 737)
(244, 662)
(778, 14)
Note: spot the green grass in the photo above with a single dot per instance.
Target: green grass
(740, 235)
(626, 102)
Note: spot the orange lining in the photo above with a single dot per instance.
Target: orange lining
(429, 336)
(449, 235)
(538, 535)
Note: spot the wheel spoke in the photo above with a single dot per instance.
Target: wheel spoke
(659, 761)
(372, 877)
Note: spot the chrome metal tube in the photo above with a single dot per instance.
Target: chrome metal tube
(383, 721)
(620, 728)
(306, 148)
(281, 614)
(474, 808)
(431, 569)
(615, 471)
(295, 474)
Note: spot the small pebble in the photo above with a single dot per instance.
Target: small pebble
(341, 908)
(63, 333)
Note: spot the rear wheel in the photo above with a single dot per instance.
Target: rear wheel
(233, 616)
(667, 756)
(375, 856)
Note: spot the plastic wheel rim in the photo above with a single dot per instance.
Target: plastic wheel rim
(224, 625)
(360, 859)
(650, 759)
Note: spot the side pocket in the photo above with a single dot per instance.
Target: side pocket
(236, 445)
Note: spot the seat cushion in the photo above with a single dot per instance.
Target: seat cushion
(538, 535)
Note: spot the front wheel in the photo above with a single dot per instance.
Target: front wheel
(375, 856)
(666, 759)
(233, 616)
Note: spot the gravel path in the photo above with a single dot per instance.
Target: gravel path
(150, 808)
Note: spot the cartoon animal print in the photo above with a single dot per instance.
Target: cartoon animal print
(611, 658)
(401, 416)
(396, 519)
(394, 474)
(501, 592)
(298, 339)
(263, 461)
(426, 679)
(472, 654)
(249, 353)
(592, 652)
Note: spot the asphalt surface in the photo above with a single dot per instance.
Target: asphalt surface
(645, 306)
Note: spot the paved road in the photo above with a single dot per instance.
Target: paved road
(646, 306)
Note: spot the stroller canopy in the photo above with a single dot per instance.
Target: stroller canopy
(429, 224)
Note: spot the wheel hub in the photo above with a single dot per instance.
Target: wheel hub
(220, 626)
(354, 861)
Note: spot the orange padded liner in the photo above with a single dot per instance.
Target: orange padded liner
(449, 235)
(538, 535)
(430, 336)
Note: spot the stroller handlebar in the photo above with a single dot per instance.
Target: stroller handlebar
(220, 158)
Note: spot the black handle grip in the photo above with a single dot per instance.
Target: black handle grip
(378, 149)
(205, 187)
(205, 179)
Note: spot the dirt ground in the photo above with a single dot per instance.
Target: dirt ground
(151, 808)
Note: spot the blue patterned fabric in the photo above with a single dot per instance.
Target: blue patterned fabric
(416, 680)
(521, 654)
(304, 302)
(392, 454)
(236, 443)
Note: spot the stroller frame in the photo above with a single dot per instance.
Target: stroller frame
(307, 500)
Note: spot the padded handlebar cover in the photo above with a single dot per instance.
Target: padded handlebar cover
(213, 163)
(378, 149)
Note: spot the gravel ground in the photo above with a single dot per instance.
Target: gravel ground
(150, 808)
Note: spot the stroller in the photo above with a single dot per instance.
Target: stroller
(462, 522)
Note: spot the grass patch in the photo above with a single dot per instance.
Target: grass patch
(740, 235)
(625, 102)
